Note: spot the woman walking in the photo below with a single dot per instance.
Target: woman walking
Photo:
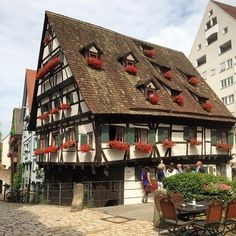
(146, 184)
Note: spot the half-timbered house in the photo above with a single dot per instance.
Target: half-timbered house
(106, 104)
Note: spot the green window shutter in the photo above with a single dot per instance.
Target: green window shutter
(186, 133)
(46, 140)
(66, 135)
(130, 135)
(230, 138)
(160, 134)
(213, 136)
(58, 140)
(152, 136)
(38, 143)
(76, 132)
(83, 139)
(105, 133)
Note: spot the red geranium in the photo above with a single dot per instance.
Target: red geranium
(68, 144)
(149, 53)
(39, 151)
(144, 147)
(154, 185)
(94, 63)
(54, 111)
(154, 99)
(168, 74)
(85, 148)
(207, 106)
(194, 80)
(133, 70)
(179, 99)
(64, 106)
(193, 141)
(168, 143)
(50, 149)
(224, 146)
(120, 146)
(44, 116)
(10, 153)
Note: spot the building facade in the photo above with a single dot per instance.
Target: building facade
(105, 105)
(213, 52)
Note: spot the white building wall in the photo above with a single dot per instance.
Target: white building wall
(6, 161)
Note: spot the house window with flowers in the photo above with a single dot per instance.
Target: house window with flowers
(222, 139)
(129, 61)
(151, 95)
(140, 135)
(164, 134)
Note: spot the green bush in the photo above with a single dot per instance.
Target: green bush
(201, 186)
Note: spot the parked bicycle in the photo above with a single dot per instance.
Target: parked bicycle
(16, 195)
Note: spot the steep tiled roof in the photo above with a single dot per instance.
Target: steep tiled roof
(230, 10)
(113, 91)
(30, 81)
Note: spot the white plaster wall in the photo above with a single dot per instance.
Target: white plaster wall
(5, 148)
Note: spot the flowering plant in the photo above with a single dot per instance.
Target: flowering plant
(179, 99)
(193, 141)
(144, 147)
(68, 144)
(207, 106)
(50, 149)
(224, 146)
(154, 185)
(168, 143)
(119, 146)
(49, 66)
(154, 99)
(64, 106)
(149, 53)
(133, 70)
(54, 111)
(216, 188)
(43, 116)
(39, 151)
(168, 74)
(194, 80)
(85, 148)
(10, 153)
(94, 63)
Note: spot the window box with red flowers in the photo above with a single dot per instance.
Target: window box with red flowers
(94, 63)
(54, 111)
(68, 144)
(49, 66)
(65, 106)
(10, 153)
(85, 148)
(51, 149)
(179, 99)
(168, 74)
(39, 151)
(224, 146)
(193, 141)
(194, 80)
(154, 98)
(119, 146)
(144, 147)
(168, 143)
(149, 53)
(44, 116)
(132, 70)
(207, 106)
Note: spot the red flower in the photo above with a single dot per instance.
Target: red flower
(50, 149)
(133, 70)
(179, 99)
(64, 106)
(94, 63)
(120, 146)
(224, 146)
(168, 74)
(168, 143)
(154, 185)
(85, 148)
(10, 153)
(207, 106)
(194, 81)
(44, 116)
(193, 141)
(52, 64)
(144, 147)
(39, 151)
(54, 111)
(154, 99)
(149, 53)
(68, 144)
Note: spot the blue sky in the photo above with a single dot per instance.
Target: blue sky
(168, 23)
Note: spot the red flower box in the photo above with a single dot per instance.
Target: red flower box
(193, 141)
(168, 74)
(64, 106)
(68, 144)
(39, 151)
(52, 64)
(43, 116)
(50, 149)
(54, 111)
(149, 53)
(224, 146)
(154, 99)
(194, 81)
(179, 99)
(168, 143)
(133, 70)
(85, 148)
(207, 106)
(10, 153)
(94, 63)
(120, 146)
(144, 147)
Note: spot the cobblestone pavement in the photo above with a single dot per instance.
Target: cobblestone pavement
(48, 220)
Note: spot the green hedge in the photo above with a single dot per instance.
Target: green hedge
(201, 186)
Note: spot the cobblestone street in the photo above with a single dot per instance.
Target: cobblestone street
(45, 220)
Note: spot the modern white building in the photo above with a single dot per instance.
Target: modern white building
(213, 53)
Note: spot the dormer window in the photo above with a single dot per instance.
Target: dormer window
(92, 53)
(128, 60)
(150, 93)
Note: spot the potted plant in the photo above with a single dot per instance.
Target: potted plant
(119, 146)
(168, 74)
(133, 70)
(207, 106)
(168, 143)
(54, 111)
(68, 144)
(64, 106)
(193, 141)
(179, 99)
(154, 98)
(51, 149)
(85, 148)
(149, 52)
(43, 116)
(144, 147)
(224, 146)
(94, 63)
(39, 151)
(194, 80)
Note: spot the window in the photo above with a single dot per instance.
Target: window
(211, 23)
(231, 99)
(141, 135)
(221, 136)
(164, 134)
(210, 12)
(116, 133)
(190, 132)
(213, 71)
(201, 60)
(229, 63)
(54, 139)
(199, 46)
(70, 135)
(225, 30)
(57, 103)
(222, 66)
(90, 138)
(42, 142)
(212, 38)
(45, 108)
(228, 99)
(227, 82)
(225, 47)
(69, 98)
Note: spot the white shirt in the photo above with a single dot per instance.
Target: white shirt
(168, 174)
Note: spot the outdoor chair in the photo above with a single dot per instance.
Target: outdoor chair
(177, 197)
(172, 223)
(229, 222)
(211, 225)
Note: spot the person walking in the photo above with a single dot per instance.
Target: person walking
(160, 174)
(146, 182)
(200, 168)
